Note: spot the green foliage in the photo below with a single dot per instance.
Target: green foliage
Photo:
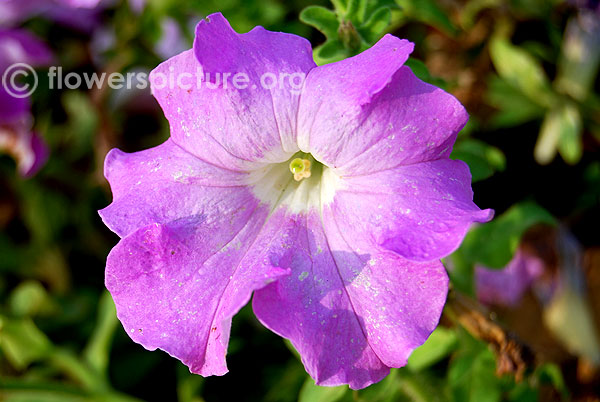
(514, 107)
(314, 393)
(439, 345)
(96, 353)
(522, 71)
(561, 130)
(428, 12)
(22, 342)
(493, 244)
(30, 298)
(483, 159)
(526, 93)
(471, 375)
(353, 26)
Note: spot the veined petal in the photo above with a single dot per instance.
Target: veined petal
(220, 121)
(176, 286)
(166, 183)
(421, 211)
(361, 116)
(350, 314)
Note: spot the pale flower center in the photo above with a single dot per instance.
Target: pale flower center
(300, 168)
(301, 184)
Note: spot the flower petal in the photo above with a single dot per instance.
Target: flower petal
(176, 286)
(219, 120)
(505, 287)
(350, 315)
(361, 116)
(26, 146)
(12, 110)
(20, 46)
(166, 183)
(421, 211)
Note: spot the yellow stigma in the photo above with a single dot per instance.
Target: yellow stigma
(300, 168)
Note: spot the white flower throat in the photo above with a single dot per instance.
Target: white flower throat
(301, 184)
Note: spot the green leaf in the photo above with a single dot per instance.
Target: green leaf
(514, 108)
(353, 27)
(493, 244)
(561, 130)
(97, 350)
(322, 19)
(521, 70)
(30, 298)
(460, 270)
(189, 386)
(550, 373)
(483, 159)
(523, 392)
(570, 144)
(40, 396)
(329, 52)
(22, 342)
(82, 125)
(375, 26)
(385, 390)
(428, 12)
(36, 202)
(472, 8)
(420, 70)
(314, 393)
(357, 10)
(440, 344)
(471, 374)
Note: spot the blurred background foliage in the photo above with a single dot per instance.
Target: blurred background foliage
(526, 70)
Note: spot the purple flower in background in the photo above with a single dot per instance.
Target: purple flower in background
(172, 40)
(79, 14)
(506, 286)
(16, 136)
(332, 202)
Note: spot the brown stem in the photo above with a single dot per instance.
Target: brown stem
(513, 356)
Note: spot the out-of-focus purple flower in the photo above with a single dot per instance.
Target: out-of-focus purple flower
(331, 201)
(79, 3)
(19, 46)
(137, 6)
(81, 19)
(591, 5)
(16, 136)
(506, 286)
(80, 14)
(25, 146)
(172, 41)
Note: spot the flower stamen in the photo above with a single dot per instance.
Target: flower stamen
(300, 168)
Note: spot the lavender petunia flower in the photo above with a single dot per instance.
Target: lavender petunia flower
(505, 287)
(16, 136)
(78, 14)
(333, 203)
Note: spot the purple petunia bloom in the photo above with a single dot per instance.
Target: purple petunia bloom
(16, 136)
(331, 202)
(506, 286)
(78, 14)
